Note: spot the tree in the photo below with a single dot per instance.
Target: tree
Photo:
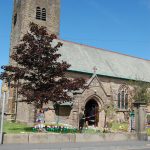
(140, 91)
(109, 110)
(38, 75)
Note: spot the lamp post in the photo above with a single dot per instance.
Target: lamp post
(4, 90)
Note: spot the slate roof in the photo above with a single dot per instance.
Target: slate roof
(83, 58)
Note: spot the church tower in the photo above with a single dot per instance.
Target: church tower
(44, 13)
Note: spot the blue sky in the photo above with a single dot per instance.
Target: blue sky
(118, 25)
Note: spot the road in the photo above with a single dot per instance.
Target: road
(121, 145)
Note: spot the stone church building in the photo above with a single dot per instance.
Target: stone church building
(107, 73)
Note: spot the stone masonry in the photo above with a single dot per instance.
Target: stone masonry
(101, 89)
(25, 12)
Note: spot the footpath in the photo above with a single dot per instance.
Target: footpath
(115, 145)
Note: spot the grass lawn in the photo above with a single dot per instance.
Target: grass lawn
(148, 131)
(120, 126)
(13, 127)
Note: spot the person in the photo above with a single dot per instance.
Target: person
(40, 119)
(81, 121)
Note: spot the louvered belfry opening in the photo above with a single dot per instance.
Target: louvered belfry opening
(38, 13)
(44, 14)
(41, 13)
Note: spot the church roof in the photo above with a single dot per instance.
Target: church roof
(83, 58)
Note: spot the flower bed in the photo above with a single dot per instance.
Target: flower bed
(56, 128)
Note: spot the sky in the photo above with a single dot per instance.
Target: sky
(118, 25)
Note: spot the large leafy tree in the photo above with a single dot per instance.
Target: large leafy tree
(37, 73)
(141, 91)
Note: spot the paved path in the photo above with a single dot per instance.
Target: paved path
(123, 145)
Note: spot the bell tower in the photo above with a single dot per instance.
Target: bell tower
(43, 12)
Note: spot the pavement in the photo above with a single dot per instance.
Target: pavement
(118, 145)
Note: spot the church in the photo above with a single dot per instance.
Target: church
(107, 73)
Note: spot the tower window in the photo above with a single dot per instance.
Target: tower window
(15, 19)
(41, 14)
(44, 14)
(38, 13)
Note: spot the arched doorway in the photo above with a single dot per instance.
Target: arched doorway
(91, 113)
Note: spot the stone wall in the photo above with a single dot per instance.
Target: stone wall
(63, 138)
(102, 89)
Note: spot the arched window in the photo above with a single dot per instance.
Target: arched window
(123, 97)
(38, 13)
(126, 101)
(118, 100)
(44, 14)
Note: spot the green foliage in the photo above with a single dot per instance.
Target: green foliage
(148, 118)
(13, 127)
(120, 126)
(148, 131)
(141, 91)
(91, 131)
(109, 110)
